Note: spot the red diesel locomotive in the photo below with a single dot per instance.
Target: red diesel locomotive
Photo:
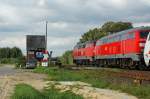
(124, 49)
(83, 54)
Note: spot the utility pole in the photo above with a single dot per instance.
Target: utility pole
(46, 35)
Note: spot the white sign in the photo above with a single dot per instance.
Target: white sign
(45, 64)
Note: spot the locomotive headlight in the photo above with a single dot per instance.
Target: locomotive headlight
(141, 44)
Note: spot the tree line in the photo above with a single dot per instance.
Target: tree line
(8, 52)
(97, 33)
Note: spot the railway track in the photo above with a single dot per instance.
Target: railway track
(137, 76)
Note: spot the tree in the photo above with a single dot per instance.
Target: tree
(7, 52)
(108, 27)
(16, 52)
(91, 35)
(67, 58)
(114, 27)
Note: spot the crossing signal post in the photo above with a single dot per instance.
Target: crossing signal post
(45, 53)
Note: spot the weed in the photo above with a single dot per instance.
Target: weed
(23, 91)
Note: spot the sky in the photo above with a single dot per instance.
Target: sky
(67, 19)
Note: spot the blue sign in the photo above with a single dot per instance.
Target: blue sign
(39, 55)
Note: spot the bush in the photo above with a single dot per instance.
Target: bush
(21, 62)
(8, 60)
(67, 58)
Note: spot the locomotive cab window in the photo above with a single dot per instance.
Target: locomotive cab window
(144, 34)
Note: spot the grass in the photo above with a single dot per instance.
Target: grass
(98, 78)
(23, 91)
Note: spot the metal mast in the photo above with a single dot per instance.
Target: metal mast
(46, 35)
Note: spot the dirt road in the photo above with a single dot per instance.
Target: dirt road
(7, 70)
(11, 77)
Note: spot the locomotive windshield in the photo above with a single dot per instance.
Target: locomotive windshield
(144, 34)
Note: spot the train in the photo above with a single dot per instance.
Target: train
(125, 49)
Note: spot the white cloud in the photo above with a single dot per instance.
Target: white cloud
(146, 2)
(9, 14)
(61, 41)
(58, 24)
(141, 24)
(118, 3)
(60, 44)
(12, 41)
(18, 41)
(41, 2)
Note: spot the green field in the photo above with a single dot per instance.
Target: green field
(98, 78)
(23, 91)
